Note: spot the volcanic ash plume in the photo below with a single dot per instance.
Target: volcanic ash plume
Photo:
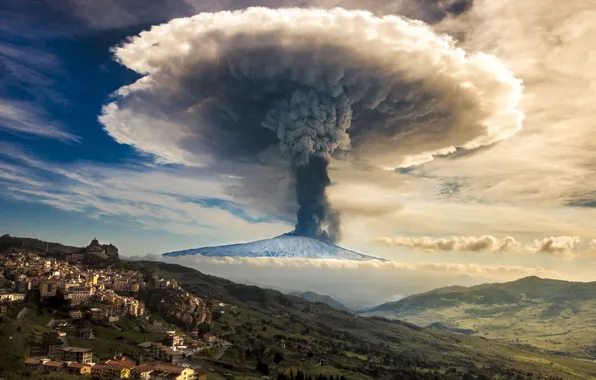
(317, 84)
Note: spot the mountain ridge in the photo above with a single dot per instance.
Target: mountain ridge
(553, 315)
(316, 297)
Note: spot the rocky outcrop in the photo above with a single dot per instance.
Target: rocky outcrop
(106, 251)
(178, 307)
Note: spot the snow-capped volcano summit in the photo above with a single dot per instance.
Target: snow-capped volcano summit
(284, 246)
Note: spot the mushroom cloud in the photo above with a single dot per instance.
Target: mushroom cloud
(308, 86)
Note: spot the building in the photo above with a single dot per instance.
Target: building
(75, 257)
(77, 354)
(78, 368)
(23, 286)
(52, 366)
(97, 314)
(54, 349)
(121, 361)
(79, 295)
(173, 340)
(142, 372)
(48, 289)
(209, 337)
(32, 363)
(11, 297)
(181, 373)
(110, 371)
(75, 314)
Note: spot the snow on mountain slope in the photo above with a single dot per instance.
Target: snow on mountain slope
(281, 246)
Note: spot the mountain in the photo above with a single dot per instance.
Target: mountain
(281, 246)
(553, 315)
(315, 297)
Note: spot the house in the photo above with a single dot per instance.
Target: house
(48, 289)
(75, 314)
(142, 372)
(32, 363)
(110, 371)
(173, 340)
(54, 349)
(121, 361)
(181, 373)
(78, 368)
(11, 297)
(96, 314)
(209, 337)
(75, 257)
(23, 286)
(52, 366)
(77, 354)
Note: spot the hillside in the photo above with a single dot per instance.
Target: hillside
(552, 315)
(315, 297)
(9, 243)
(318, 338)
(94, 253)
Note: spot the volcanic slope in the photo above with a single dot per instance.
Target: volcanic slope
(284, 246)
(552, 315)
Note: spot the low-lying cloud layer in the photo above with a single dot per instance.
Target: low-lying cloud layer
(358, 284)
(565, 246)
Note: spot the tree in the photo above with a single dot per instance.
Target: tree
(278, 358)
(263, 368)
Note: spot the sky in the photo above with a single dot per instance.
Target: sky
(86, 150)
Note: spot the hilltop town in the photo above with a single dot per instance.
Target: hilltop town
(84, 300)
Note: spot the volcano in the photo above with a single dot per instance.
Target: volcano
(285, 246)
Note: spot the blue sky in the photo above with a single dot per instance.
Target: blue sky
(57, 73)
(524, 203)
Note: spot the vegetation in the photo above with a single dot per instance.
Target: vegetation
(319, 340)
(554, 316)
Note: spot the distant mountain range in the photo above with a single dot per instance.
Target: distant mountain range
(315, 297)
(557, 316)
(279, 247)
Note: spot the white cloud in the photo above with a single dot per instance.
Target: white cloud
(23, 118)
(181, 201)
(566, 247)
(357, 284)
(453, 243)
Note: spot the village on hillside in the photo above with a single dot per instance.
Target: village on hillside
(88, 300)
